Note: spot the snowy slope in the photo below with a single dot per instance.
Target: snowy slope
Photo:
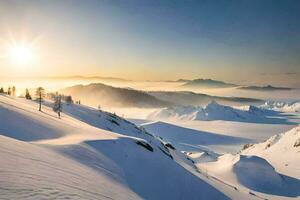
(86, 155)
(253, 174)
(192, 140)
(282, 150)
(29, 171)
(215, 111)
(270, 169)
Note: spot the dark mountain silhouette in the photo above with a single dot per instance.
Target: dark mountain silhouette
(108, 96)
(207, 83)
(264, 88)
(105, 95)
(196, 99)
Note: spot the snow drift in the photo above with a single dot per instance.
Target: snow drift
(270, 167)
(282, 150)
(257, 174)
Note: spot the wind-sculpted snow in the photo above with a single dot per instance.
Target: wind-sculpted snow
(215, 111)
(257, 174)
(103, 120)
(253, 174)
(270, 168)
(281, 151)
(144, 171)
(28, 171)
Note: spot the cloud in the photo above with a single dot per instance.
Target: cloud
(278, 74)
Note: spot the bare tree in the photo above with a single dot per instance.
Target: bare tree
(40, 94)
(27, 94)
(57, 107)
(68, 99)
(13, 91)
(9, 91)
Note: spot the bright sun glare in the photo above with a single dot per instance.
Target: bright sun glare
(21, 54)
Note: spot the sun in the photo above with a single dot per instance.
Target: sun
(21, 54)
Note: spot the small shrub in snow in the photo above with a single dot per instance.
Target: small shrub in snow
(145, 145)
(246, 146)
(115, 122)
(27, 94)
(40, 95)
(297, 143)
(190, 160)
(170, 146)
(147, 133)
(57, 106)
(166, 153)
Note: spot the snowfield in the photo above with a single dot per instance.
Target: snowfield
(43, 157)
(191, 140)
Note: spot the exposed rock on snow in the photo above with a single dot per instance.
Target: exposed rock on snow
(203, 157)
(297, 143)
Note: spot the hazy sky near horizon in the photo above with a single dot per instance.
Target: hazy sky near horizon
(232, 40)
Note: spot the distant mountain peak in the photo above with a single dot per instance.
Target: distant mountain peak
(207, 83)
(264, 88)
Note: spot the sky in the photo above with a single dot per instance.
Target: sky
(252, 41)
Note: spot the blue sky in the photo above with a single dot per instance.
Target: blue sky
(163, 39)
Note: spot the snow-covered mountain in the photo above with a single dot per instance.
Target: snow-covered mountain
(282, 106)
(87, 155)
(207, 83)
(215, 111)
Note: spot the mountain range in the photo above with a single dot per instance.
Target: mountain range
(100, 94)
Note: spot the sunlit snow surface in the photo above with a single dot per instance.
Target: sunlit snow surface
(91, 154)
(86, 155)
